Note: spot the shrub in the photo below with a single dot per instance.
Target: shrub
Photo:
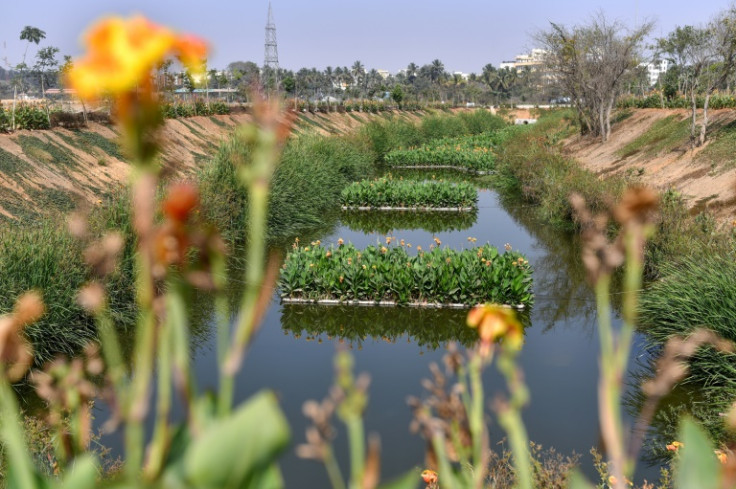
(30, 117)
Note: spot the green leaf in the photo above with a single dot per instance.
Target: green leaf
(82, 474)
(578, 481)
(236, 451)
(698, 467)
(406, 481)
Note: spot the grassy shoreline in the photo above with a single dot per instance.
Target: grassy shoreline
(679, 258)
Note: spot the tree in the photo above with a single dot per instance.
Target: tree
(590, 63)
(45, 63)
(706, 57)
(397, 94)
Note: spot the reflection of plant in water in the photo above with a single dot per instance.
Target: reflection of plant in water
(386, 222)
(559, 275)
(431, 328)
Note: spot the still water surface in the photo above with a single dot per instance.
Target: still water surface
(293, 355)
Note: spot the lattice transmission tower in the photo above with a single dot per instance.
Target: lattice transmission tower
(271, 57)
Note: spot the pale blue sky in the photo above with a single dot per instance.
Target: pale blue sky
(387, 34)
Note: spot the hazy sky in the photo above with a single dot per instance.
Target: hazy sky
(382, 34)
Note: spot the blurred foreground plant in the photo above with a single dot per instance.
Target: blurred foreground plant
(175, 254)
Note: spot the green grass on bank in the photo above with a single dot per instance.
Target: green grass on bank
(665, 135)
(689, 261)
(532, 166)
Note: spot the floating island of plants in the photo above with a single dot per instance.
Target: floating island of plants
(388, 193)
(469, 153)
(390, 275)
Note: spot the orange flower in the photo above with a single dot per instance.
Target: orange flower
(722, 457)
(123, 52)
(429, 477)
(674, 446)
(496, 322)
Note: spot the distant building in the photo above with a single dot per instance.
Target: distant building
(464, 76)
(655, 70)
(533, 59)
(383, 73)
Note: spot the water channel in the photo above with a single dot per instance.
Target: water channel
(293, 351)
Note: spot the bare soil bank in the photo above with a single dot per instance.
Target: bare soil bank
(61, 169)
(652, 146)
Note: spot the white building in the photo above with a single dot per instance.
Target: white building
(655, 69)
(533, 59)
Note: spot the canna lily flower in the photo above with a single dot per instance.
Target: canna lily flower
(674, 446)
(122, 53)
(494, 323)
(722, 456)
(429, 477)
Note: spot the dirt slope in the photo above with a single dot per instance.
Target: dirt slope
(60, 169)
(705, 181)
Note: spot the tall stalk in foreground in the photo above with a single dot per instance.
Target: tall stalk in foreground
(215, 446)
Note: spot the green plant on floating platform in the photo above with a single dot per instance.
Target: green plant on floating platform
(474, 152)
(390, 192)
(390, 273)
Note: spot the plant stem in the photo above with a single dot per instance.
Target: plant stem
(356, 437)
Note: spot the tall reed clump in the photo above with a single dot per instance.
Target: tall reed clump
(47, 258)
(305, 187)
(697, 292)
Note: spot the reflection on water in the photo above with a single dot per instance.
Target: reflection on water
(428, 328)
(385, 222)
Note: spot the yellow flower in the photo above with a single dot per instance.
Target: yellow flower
(429, 477)
(674, 446)
(722, 456)
(494, 323)
(122, 53)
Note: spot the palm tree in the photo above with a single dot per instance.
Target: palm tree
(411, 72)
(437, 71)
(358, 71)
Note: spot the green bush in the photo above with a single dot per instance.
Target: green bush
(389, 273)
(389, 192)
(30, 117)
